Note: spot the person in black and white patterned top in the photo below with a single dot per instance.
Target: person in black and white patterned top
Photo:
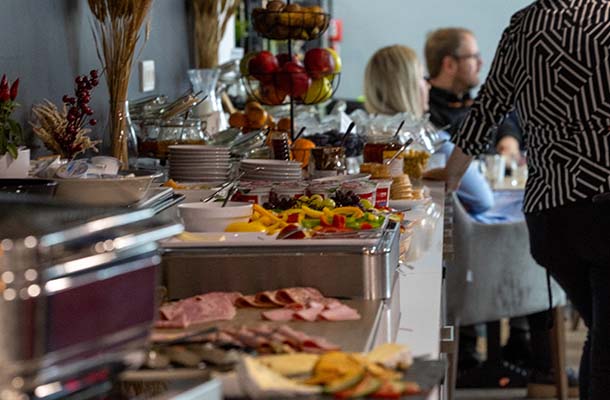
(553, 66)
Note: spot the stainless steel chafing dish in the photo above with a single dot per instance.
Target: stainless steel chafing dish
(351, 267)
(77, 290)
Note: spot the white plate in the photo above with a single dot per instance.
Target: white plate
(197, 147)
(401, 204)
(271, 163)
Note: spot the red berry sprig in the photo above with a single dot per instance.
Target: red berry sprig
(79, 111)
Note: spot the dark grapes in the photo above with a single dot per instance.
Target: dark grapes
(346, 199)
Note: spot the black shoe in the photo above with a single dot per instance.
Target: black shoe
(493, 375)
(468, 360)
(517, 351)
(541, 384)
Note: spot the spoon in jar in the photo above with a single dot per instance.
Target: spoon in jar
(399, 152)
(346, 134)
(297, 136)
(402, 123)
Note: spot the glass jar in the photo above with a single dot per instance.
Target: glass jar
(169, 134)
(149, 131)
(192, 133)
(280, 146)
(330, 158)
(376, 144)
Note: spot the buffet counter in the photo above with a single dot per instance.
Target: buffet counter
(412, 315)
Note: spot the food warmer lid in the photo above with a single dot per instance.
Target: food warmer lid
(40, 232)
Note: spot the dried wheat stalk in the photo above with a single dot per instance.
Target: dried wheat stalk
(210, 19)
(50, 124)
(117, 30)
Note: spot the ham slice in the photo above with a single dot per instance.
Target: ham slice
(310, 313)
(270, 297)
(215, 306)
(300, 295)
(307, 342)
(250, 301)
(282, 314)
(340, 313)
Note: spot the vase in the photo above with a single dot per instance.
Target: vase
(15, 167)
(209, 111)
(123, 135)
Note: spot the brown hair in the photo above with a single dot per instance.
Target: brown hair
(391, 82)
(440, 44)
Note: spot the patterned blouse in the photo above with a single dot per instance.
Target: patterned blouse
(553, 66)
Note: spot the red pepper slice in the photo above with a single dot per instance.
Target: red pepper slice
(339, 221)
(324, 222)
(366, 225)
(293, 218)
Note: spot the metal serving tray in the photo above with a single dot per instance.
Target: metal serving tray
(350, 268)
(77, 288)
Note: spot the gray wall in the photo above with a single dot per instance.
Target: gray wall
(46, 43)
(369, 25)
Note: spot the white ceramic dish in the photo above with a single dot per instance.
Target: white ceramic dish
(120, 191)
(402, 204)
(211, 216)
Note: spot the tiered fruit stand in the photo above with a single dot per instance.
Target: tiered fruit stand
(283, 79)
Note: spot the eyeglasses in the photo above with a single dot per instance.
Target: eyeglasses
(467, 56)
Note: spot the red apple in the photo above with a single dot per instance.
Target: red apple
(272, 94)
(319, 63)
(283, 58)
(293, 79)
(262, 66)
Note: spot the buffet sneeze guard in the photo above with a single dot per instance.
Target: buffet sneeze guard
(77, 292)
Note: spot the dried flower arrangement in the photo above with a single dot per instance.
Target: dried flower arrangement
(210, 18)
(11, 135)
(65, 132)
(117, 31)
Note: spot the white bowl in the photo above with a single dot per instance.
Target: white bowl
(211, 216)
(119, 191)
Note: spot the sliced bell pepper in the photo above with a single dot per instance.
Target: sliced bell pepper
(365, 226)
(326, 221)
(309, 223)
(310, 212)
(339, 221)
(353, 211)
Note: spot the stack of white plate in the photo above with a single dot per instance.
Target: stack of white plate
(271, 170)
(199, 163)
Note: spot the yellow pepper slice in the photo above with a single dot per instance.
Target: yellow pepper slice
(311, 212)
(328, 212)
(353, 211)
(268, 214)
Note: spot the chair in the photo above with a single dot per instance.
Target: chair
(493, 276)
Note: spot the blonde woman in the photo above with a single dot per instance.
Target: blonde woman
(394, 83)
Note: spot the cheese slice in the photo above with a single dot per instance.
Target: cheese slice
(290, 364)
(391, 355)
(260, 382)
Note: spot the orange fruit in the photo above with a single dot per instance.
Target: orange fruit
(257, 117)
(284, 124)
(237, 120)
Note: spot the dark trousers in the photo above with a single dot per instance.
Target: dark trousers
(573, 243)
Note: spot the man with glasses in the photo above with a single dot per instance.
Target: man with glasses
(454, 64)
